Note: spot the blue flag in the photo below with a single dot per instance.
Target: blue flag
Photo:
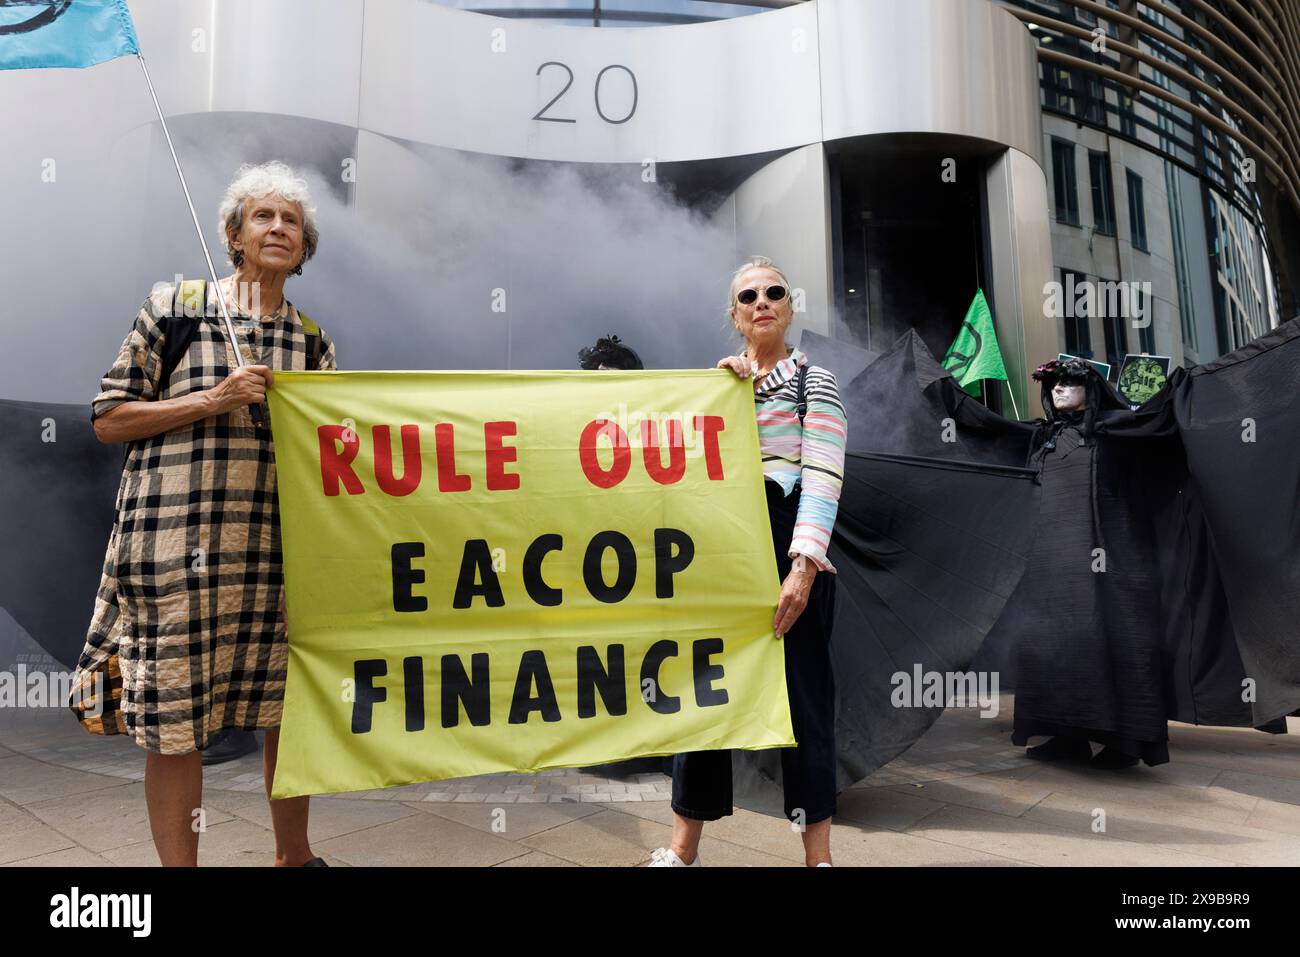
(69, 33)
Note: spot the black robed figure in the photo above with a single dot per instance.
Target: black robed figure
(1089, 661)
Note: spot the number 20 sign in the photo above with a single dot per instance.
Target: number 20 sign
(541, 116)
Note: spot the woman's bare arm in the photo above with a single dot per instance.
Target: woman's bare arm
(141, 420)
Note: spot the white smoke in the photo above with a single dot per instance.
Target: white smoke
(95, 217)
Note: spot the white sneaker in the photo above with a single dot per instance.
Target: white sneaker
(664, 857)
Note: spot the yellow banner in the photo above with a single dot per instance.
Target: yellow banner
(517, 571)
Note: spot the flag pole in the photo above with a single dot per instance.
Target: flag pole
(212, 269)
(1012, 393)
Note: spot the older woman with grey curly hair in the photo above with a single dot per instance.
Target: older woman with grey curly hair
(188, 625)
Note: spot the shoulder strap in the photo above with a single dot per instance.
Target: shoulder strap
(189, 305)
(191, 298)
(315, 344)
(802, 406)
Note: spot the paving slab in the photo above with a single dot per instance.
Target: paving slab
(1142, 824)
(420, 839)
(894, 809)
(23, 835)
(718, 853)
(1047, 843)
(329, 817)
(608, 838)
(1003, 792)
(1271, 787)
(106, 818)
(1214, 803)
(26, 781)
(512, 821)
(772, 836)
(536, 859)
(234, 843)
(68, 857)
(855, 846)
(1275, 816)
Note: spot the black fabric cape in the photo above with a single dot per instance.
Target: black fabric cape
(1201, 538)
(935, 524)
(1237, 420)
(56, 507)
(1202, 544)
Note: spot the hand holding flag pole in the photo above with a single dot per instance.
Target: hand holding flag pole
(60, 33)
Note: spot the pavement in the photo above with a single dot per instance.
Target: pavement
(962, 796)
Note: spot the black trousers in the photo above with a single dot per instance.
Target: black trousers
(702, 779)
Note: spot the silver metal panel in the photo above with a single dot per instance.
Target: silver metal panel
(292, 56)
(932, 66)
(452, 78)
(1020, 247)
(178, 40)
(782, 212)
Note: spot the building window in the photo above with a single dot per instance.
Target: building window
(1067, 187)
(1095, 103)
(1112, 325)
(1147, 333)
(1182, 267)
(1103, 195)
(1058, 88)
(1137, 211)
(1127, 120)
(1078, 341)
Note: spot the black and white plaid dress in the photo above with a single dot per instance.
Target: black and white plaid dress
(189, 608)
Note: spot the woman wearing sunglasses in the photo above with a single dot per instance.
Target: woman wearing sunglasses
(803, 464)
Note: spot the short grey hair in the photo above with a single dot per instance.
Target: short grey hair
(267, 179)
(754, 262)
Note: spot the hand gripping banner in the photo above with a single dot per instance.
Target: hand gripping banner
(517, 571)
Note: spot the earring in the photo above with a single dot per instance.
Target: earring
(237, 257)
(297, 270)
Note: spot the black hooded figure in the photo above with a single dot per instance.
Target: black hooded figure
(609, 352)
(1089, 660)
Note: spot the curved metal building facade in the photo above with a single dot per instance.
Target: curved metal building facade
(893, 155)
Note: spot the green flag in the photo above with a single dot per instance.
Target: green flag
(974, 354)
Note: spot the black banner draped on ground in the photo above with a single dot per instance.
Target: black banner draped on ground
(57, 488)
(1201, 531)
(1238, 423)
(935, 524)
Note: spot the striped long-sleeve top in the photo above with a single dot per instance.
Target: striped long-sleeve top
(812, 456)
